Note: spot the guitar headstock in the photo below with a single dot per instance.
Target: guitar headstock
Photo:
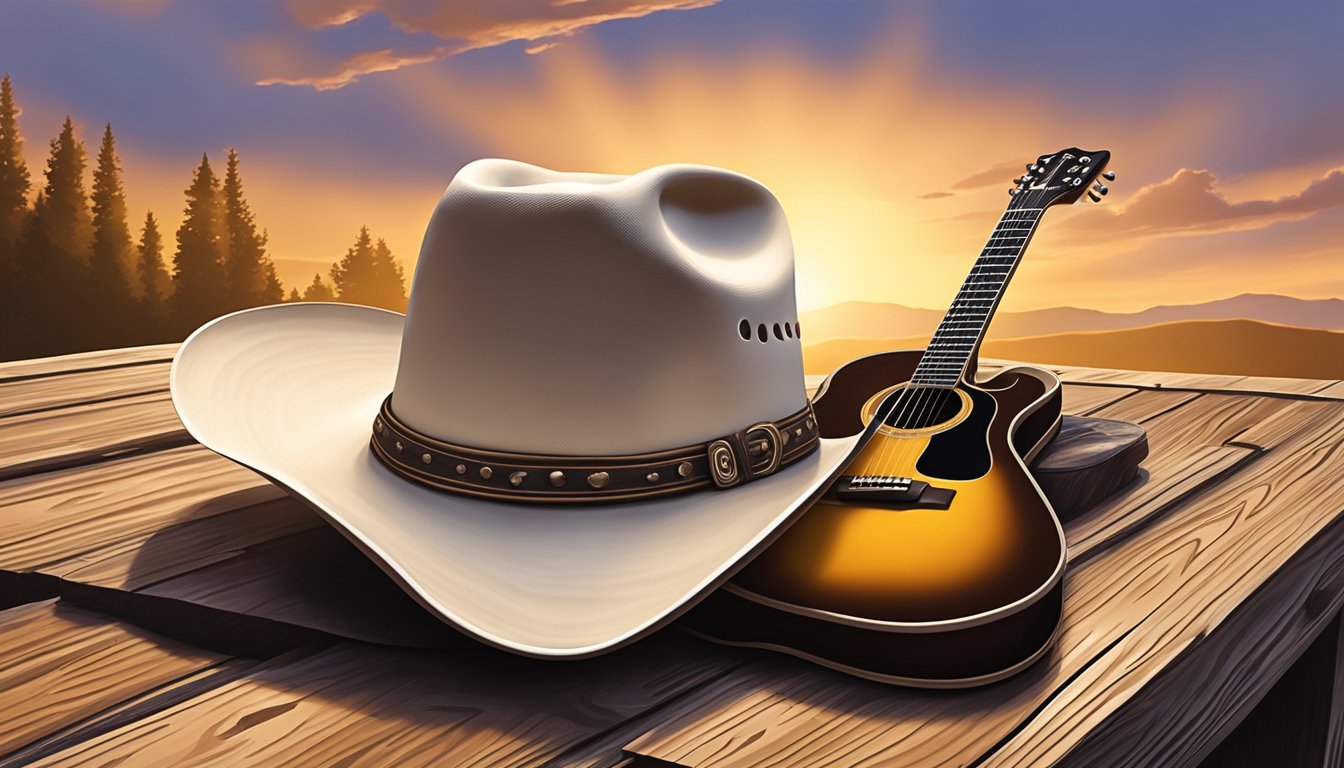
(1063, 177)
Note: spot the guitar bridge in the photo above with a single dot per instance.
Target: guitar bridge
(897, 492)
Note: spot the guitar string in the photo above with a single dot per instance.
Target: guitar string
(981, 280)
(922, 409)
(916, 412)
(932, 401)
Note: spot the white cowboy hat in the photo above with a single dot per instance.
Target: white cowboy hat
(597, 407)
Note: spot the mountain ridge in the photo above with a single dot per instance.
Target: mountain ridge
(1238, 347)
(859, 319)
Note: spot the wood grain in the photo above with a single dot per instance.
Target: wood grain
(1188, 593)
(1151, 596)
(1282, 518)
(1147, 379)
(63, 521)
(1147, 404)
(313, 579)
(353, 705)
(1334, 390)
(1081, 400)
(86, 361)
(1264, 385)
(50, 392)
(86, 434)
(60, 665)
(1190, 447)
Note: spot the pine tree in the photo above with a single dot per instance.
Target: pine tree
(14, 187)
(355, 276)
(53, 287)
(318, 290)
(389, 279)
(250, 273)
(199, 285)
(110, 312)
(50, 262)
(293, 296)
(154, 281)
(14, 183)
(66, 221)
(272, 292)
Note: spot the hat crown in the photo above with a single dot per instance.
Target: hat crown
(594, 314)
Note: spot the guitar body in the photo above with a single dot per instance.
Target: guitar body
(935, 560)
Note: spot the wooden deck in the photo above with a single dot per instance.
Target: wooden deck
(163, 606)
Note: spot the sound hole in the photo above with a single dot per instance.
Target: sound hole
(918, 407)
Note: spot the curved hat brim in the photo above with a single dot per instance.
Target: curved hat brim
(290, 391)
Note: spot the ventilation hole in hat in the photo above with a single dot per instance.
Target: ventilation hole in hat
(744, 329)
(788, 330)
(760, 333)
(797, 330)
(779, 334)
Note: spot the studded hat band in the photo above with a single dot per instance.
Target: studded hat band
(757, 451)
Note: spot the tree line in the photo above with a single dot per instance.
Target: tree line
(73, 277)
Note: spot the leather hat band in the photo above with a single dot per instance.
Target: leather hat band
(757, 451)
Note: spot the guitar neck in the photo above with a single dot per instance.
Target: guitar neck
(959, 333)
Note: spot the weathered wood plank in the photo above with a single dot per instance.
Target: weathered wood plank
(60, 665)
(85, 434)
(1154, 594)
(1209, 382)
(1147, 404)
(64, 521)
(1231, 593)
(356, 705)
(144, 705)
(49, 392)
(86, 361)
(1189, 448)
(1148, 379)
(1082, 400)
(1282, 385)
(313, 579)
(1333, 390)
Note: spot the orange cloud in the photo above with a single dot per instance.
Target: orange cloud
(1191, 202)
(473, 24)
(365, 63)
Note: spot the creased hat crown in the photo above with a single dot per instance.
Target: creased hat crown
(594, 314)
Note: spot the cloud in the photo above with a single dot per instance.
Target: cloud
(468, 24)
(1002, 173)
(1190, 202)
(369, 62)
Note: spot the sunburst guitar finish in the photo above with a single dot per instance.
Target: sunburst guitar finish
(935, 560)
(915, 592)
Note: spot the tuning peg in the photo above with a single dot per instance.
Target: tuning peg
(1102, 188)
(1109, 175)
(1094, 197)
(1031, 167)
(1013, 192)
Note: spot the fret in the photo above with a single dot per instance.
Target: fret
(961, 328)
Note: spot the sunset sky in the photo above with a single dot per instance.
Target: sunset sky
(889, 131)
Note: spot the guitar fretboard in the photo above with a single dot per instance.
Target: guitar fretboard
(959, 333)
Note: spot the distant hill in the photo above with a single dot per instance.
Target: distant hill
(1245, 347)
(859, 319)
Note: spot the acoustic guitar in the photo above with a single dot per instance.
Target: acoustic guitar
(934, 560)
